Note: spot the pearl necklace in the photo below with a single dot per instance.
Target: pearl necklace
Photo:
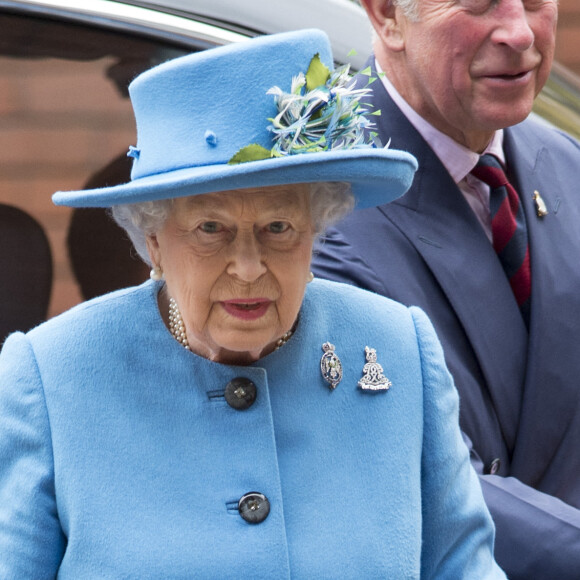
(177, 328)
(176, 325)
(283, 339)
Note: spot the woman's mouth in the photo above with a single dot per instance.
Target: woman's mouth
(247, 309)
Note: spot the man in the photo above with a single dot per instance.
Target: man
(460, 79)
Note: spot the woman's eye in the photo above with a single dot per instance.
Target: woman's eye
(278, 227)
(211, 227)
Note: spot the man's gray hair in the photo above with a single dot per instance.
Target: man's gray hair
(329, 202)
(410, 8)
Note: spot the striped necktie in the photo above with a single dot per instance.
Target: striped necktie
(508, 228)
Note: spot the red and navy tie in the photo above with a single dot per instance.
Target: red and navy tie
(508, 228)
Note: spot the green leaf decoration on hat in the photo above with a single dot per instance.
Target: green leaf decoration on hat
(322, 112)
(317, 73)
(253, 152)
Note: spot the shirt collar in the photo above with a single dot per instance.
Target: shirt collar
(457, 159)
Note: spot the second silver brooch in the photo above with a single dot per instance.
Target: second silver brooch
(373, 378)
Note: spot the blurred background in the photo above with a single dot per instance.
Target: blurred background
(66, 121)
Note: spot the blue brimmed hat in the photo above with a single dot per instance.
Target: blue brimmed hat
(263, 112)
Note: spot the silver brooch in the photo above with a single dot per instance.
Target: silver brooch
(330, 366)
(373, 378)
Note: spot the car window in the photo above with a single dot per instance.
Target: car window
(66, 123)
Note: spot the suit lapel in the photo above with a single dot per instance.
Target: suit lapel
(554, 255)
(439, 223)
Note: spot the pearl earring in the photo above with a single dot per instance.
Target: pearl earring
(156, 273)
(310, 278)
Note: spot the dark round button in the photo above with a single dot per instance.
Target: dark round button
(494, 466)
(254, 507)
(240, 393)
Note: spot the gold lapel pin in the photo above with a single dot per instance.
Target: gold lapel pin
(541, 209)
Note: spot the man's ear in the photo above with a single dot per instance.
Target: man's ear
(386, 19)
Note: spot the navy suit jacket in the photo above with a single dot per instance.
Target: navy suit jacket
(520, 393)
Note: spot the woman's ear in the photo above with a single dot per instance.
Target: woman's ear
(153, 250)
(386, 19)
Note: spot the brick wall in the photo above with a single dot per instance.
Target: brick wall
(59, 123)
(568, 38)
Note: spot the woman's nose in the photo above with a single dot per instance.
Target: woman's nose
(245, 259)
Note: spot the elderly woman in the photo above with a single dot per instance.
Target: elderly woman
(229, 419)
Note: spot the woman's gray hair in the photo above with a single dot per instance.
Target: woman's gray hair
(329, 202)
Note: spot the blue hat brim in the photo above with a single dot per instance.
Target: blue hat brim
(377, 176)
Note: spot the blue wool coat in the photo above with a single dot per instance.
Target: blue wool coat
(120, 458)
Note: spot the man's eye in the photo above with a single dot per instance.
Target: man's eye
(278, 227)
(478, 6)
(211, 227)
